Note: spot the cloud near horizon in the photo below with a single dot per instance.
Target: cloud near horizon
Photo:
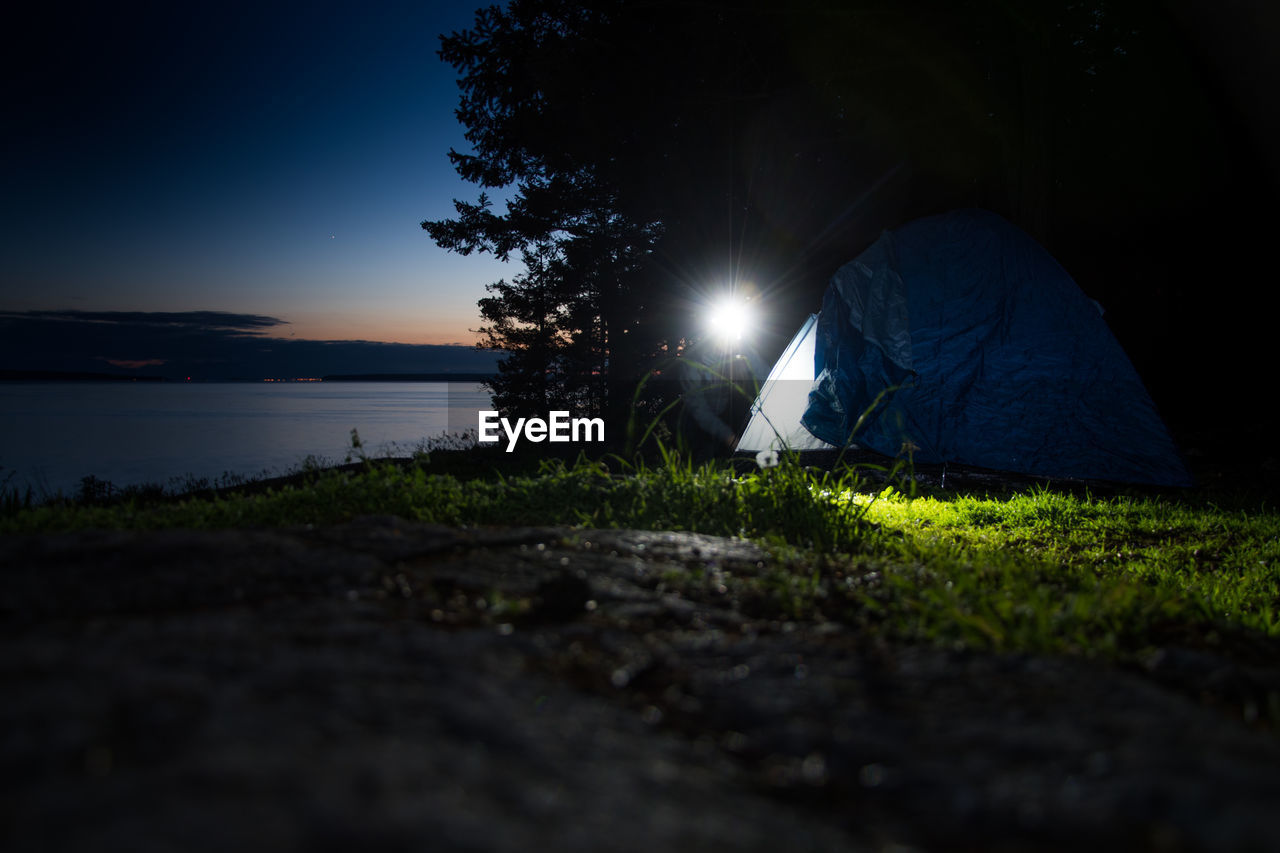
(184, 319)
(208, 345)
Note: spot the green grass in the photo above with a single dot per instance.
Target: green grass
(1036, 571)
(1043, 571)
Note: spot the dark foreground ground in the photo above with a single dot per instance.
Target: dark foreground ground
(387, 686)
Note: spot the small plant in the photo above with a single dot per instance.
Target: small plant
(92, 490)
(357, 448)
(13, 499)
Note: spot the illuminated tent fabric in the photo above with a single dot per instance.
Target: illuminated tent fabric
(775, 415)
(961, 335)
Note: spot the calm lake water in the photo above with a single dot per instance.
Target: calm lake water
(53, 434)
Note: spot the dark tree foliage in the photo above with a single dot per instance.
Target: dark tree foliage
(655, 152)
(539, 132)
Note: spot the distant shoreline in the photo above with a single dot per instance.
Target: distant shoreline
(86, 376)
(72, 376)
(408, 377)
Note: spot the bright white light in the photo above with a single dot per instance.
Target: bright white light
(729, 319)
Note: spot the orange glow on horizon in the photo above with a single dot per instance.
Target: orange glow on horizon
(317, 326)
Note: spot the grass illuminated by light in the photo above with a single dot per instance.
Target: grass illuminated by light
(1038, 571)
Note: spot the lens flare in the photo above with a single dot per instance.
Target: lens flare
(729, 319)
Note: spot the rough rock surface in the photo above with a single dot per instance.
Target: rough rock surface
(392, 686)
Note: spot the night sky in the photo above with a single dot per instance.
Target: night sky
(263, 160)
(272, 163)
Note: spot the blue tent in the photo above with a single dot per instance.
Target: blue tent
(962, 336)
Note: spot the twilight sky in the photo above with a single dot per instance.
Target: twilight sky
(261, 158)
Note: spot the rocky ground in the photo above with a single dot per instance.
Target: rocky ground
(393, 686)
